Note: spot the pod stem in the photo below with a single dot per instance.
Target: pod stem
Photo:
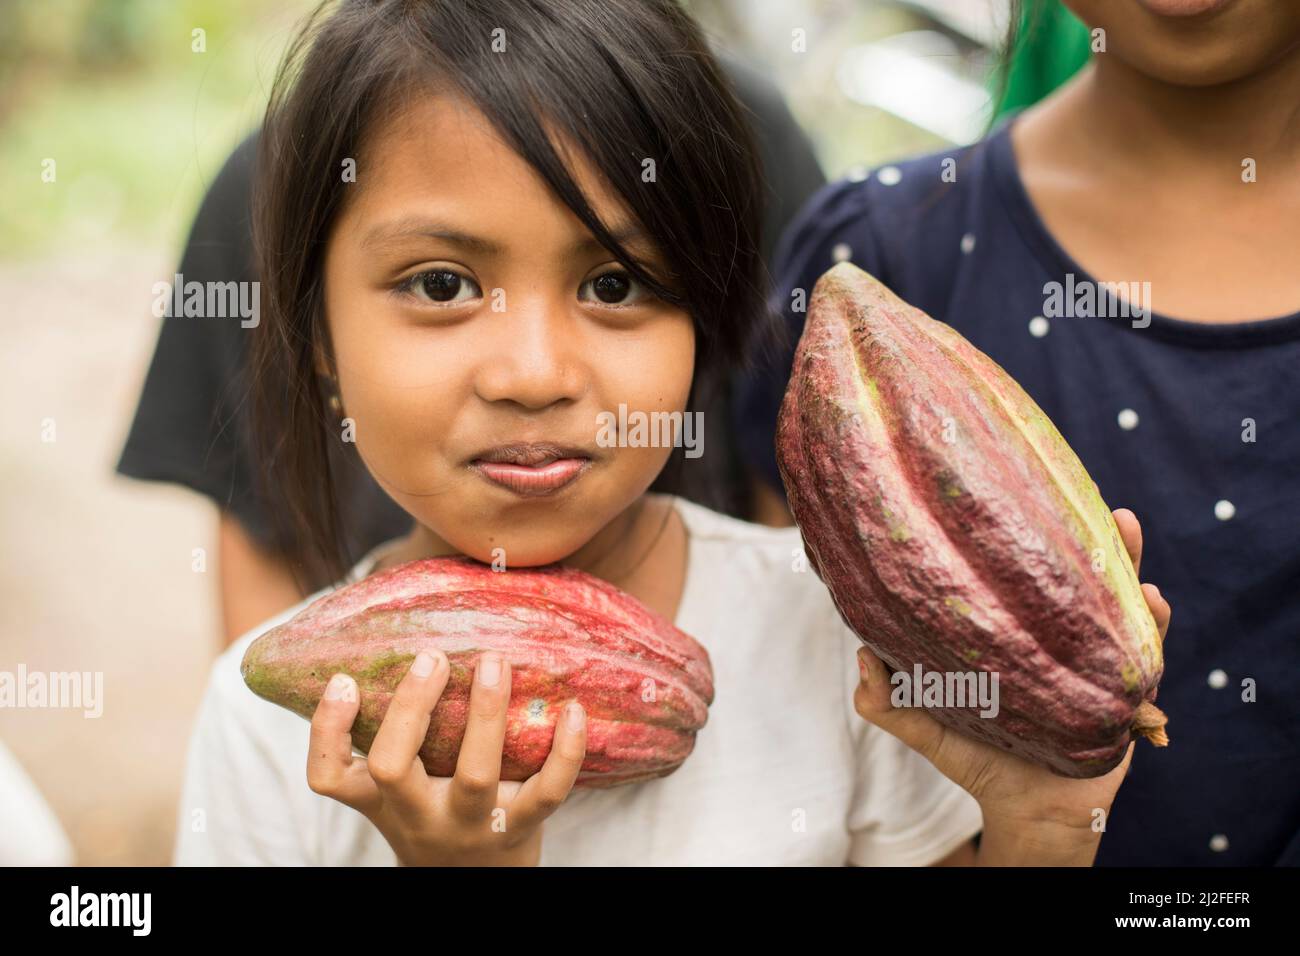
(1149, 722)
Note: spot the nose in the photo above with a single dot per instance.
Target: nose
(532, 355)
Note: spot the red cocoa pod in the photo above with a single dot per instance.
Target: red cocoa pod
(956, 529)
(645, 685)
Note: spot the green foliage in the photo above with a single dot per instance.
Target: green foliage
(136, 120)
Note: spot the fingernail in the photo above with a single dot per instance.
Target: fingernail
(574, 716)
(862, 666)
(422, 666)
(489, 670)
(341, 687)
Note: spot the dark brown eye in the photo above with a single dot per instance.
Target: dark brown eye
(612, 288)
(441, 286)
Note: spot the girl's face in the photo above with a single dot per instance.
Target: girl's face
(471, 313)
(1194, 42)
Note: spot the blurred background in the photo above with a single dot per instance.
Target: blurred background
(137, 103)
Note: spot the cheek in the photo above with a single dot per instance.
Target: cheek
(652, 372)
(648, 375)
(400, 385)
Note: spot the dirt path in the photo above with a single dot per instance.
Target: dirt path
(95, 575)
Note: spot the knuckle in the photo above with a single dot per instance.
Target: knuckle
(475, 782)
(321, 782)
(385, 771)
(573, 752)
(400, 713)
(489, 704)
(862, 703)
(549, 799)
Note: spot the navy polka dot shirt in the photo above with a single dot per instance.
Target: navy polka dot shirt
(1193, 426)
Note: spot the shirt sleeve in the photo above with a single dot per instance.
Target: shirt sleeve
(904, 812)
(238, 805)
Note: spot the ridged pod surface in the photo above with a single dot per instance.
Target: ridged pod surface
(956, 529)
(645, 685)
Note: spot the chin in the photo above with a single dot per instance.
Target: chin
(519, 548)
(1194, 43)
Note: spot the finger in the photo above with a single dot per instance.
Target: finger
(1160, 608)
(545, 790)
(332, 770)
(478, 767)
(912, 725)
(394, 757)
(1131, 531)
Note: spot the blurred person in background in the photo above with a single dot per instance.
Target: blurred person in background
(1172, 159)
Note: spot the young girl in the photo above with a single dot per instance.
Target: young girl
(482, 226)
(1170, 167)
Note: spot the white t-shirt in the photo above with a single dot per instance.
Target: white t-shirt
(784, 772)
(32, 834)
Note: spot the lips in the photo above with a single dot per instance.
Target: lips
(1181, 8)
(531, 468)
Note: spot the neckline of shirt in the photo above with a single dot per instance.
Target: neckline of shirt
(1005, 171)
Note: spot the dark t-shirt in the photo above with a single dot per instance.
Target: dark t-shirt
(1158, 415)
(191, 425)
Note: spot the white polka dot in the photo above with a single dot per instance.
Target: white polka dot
(857, 174)
(1128, 419)
(889, 175)
(1224, 510)
(968, 243)
(1038, 326)
(1218, 843)
(1218, 679)
(841, 252)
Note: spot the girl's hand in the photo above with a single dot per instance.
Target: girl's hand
(1031, 814)
(472, 818)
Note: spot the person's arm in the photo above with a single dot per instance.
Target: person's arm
(964, 855)
(255, 585)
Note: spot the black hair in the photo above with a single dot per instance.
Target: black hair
(624, 80)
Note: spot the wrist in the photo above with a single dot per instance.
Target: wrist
(1009, 842)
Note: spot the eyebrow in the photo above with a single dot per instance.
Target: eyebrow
(395, 231)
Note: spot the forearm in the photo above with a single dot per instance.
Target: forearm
(254, 585)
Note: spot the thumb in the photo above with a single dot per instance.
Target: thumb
(912, 725)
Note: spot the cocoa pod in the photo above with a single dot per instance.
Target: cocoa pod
(956, 529)
(645, 685)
